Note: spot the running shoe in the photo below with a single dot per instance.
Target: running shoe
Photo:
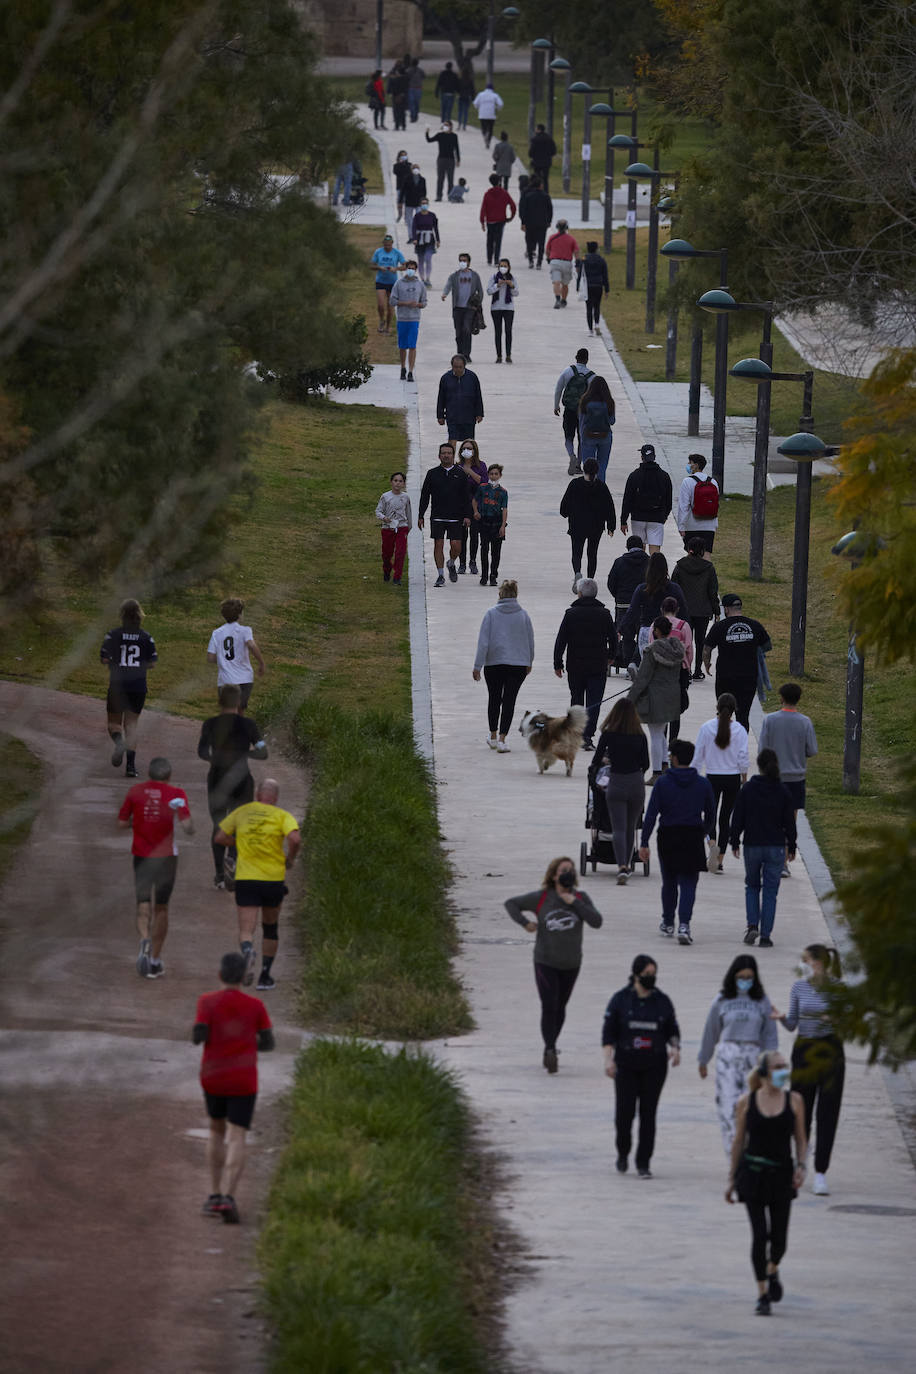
(229, 863)
(622, 1165)
(622, 877)
(491, 742)
(219, 882)
(766, 942)
(156, 968)
(440, 580)
(774, 1292)
(763, 1306)
(494, 582)
(503, 748)
(750, 935)
(410, 376)
(666, 929)
(265, 982)
(250, 959)
(403, 374)
(644, 1171)
(130, 772)
(472, 567)
(228, 1210)
(452, 572)
(684, 936)
(550, 1061)
(117, 754)
(143, 959)
(819, 1188)
(212, 1206)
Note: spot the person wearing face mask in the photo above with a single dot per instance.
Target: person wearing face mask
(491, 513)
(408, 296)
(425, 239)
(818, 1058)
(556, 912)
(761, 1169)
(698, 504)
(739, 1026)
(411, 195)
(502, 289)
(400, 171)
(640, 1036)
(448, 157)
(475, 470)
(466, 291)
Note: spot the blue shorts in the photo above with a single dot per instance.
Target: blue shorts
(407, 333)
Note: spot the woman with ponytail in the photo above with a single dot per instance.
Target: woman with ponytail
(722, 754)
(762, 1172)
(764, 813)
(818, 1059)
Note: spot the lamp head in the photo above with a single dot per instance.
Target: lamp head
(581, 88)
(510, 12)
(600, 109)
(667, 203)
(543, 44)
(622, 141)
(752, 370)
(638, 169)
(559, 64)
(804, 448)
(717, 302)
(678, 249)
(857, 545)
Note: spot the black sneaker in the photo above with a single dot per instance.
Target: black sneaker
(265, 982)
(452, 572)
(699, 677)
(156, 968)
(472, 567)
(550, 1061)
(219, 882)
(684, 936)
(766, 942)
(403, 374)
(763, 1306)
(494, 582)
(228, 1210)
(774, 1292)
(666, 930)
(622, 1164)
(143, 959)
(588, 745)
(484, 581)
(750, 935)
(386, 576)
(440, 580)
(410, 376)
(117, 754)
(250, 958)
(130, 771)
(212, 1206)
(395, 582)
(644, 1171)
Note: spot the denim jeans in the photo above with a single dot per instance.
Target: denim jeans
(762, 866)
(414, 95)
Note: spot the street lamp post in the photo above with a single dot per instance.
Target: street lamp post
(510, 12)
(583, 88)
(629, 144)
(642, 170)
(379, 22)
(667, 204)
(538, 48)
(855, 546)
(559, 64)
(803, 447)
(681, 251)
(610, 114)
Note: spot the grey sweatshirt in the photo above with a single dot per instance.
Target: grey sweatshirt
(738, 1018)
(393, 510)
(506, 636)
(792, 736)
(408, 294)
(558, 942)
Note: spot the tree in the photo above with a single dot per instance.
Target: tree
(815, 122)
(876, 494)
(464, 22)
(606, 45)
(161, 231)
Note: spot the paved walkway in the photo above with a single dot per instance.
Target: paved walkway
(618, 1270)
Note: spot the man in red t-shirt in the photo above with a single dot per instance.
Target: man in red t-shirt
(150, 808)
(232, 1026)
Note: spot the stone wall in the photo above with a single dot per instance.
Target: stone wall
(346, 28)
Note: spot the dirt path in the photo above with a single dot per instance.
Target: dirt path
(102, 1169)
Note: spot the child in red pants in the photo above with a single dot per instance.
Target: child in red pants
(393, 510)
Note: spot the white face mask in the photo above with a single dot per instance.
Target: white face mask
(504, 268)
(402, 157)
(467, 453)
(463, 264)
(416, 171)
(410, 271)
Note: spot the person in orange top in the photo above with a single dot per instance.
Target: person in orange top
(493, 216)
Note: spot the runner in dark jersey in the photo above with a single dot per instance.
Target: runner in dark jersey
(232, 1026)
(227, 741)
(128, 652)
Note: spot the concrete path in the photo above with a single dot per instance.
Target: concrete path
(618, 1270)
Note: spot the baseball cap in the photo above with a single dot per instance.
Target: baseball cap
(387, 239)
(648, 452)
(732, 599)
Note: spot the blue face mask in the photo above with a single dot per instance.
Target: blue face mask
(780, 1077)
(410, 271)
(744, 984)
(688, 468)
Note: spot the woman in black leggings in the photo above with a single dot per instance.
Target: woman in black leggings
(505, 652)
(556, 912)
(722, 754)
(762, 1172)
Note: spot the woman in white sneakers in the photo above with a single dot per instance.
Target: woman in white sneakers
(722, 754)
(505, 653)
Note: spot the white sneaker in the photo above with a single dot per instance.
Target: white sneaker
(491, 742)
(684, 936)
(819, 1187)
(503, 748)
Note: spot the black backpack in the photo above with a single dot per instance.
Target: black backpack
(575, 389)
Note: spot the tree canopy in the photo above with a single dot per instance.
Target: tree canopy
(160, 230)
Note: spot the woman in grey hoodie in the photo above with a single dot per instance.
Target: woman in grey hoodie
(656, 690)
(505, 652)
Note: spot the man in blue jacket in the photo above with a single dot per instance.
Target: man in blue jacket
(685, 807)
(460, 404)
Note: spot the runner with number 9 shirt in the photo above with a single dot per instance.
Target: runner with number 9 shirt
(128, 652)
(229, 648)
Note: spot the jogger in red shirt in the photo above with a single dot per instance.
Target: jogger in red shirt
(150, 809)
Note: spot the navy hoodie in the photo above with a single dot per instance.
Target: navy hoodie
(765, 812)
(680, 797)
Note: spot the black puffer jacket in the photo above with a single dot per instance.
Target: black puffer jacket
(588, 506)
(586, 636)
(699, 582)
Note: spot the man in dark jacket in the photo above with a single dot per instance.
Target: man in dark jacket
(446, 487)
(627, 572)
(647, 497)
(460, 404)
(446, 88)
(535, 213)
(737, 639)
(685, 807)
(412, 192)
(449, 156)
(541, 152)
(696, 576)
(588, 639)
(589, 507)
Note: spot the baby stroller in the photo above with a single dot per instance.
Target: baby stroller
(598, 821)
(358, 189)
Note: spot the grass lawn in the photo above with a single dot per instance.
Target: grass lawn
(889, 729)
(625, 312)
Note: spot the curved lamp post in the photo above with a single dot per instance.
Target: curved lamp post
(583, 88)
(539, 46)
(804, 448)
(854, 546)
(642, 170)
(510, 12)
(628, 143)
(559, 64)
(669, 205)
(610, 114)
(679, 250)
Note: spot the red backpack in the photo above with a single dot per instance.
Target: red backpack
(705, 504)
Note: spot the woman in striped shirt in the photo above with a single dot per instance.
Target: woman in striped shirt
(818, 1060)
